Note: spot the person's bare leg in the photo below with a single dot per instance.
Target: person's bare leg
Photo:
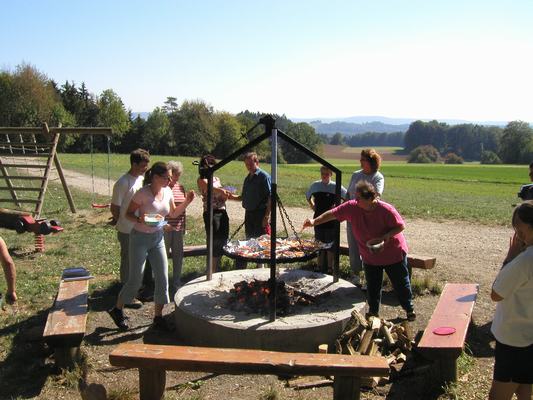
(523, 392)
(502, 390)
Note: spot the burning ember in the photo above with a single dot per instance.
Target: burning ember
(253, 297)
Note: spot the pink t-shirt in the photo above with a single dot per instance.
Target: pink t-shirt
(149, 205)
(368, 225)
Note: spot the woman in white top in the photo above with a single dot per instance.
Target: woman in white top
(512, 325)
(370, 162)
(147, 242)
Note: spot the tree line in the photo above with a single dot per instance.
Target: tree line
(28, 98)
(512, 144)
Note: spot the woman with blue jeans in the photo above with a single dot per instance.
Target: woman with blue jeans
(374, 220)
(147, 242)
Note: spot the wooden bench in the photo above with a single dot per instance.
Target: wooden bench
(153, 360)
(454, 309)
(195, 250)
(414, 261)
(65, 326)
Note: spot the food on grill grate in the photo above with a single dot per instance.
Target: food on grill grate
(286, 248)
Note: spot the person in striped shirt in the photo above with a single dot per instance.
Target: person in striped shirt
(176, 226)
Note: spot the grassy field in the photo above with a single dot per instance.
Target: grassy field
(470, 192)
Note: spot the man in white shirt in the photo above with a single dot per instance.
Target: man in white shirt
(123, 190)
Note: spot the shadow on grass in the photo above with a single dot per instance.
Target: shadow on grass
(417, 382)
(479, 338)
(25, 359)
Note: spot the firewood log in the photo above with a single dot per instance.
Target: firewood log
(385, 331)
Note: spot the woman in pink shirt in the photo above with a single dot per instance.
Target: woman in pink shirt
(373, 219)
(147, 242)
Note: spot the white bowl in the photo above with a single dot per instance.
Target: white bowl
(375, 245)
(152, 219)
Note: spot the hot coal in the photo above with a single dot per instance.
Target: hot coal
(254, 297)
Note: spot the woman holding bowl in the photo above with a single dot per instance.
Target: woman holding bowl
(377, 227)
(148, 208)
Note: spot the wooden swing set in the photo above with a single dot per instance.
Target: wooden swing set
(34, 150)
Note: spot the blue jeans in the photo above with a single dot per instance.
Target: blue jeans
(145, 246)
(399, 277)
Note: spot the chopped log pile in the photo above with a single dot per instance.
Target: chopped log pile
(373, 337)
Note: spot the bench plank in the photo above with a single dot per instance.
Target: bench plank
(414, 261)
(454, 309)
(244, 361)
(195, 250)
(65, 326)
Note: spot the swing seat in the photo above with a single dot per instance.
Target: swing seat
(96, 205)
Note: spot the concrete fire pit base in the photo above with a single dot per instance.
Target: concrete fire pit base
(204, 318)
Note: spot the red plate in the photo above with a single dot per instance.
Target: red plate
(444, 330)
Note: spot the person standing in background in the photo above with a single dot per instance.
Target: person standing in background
(123, 190)
(321, 198)
(175, 229)
(370, 162)
(220, 215)
(255, 197)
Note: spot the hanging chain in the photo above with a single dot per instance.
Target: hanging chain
(237, 231)
(283, 211)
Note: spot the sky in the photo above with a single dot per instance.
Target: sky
(453, 59)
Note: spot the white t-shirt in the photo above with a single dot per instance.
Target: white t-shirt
(150, 205)
(513, 320)
(375, 179)
(123, 191)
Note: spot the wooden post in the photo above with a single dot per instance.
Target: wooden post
(152, 383)
(48, 168)
(448, 369)
(346, 388)
(66, 357)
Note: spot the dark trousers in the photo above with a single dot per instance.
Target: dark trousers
(253, 223)
(399, 277)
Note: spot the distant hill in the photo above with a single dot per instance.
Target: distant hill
(361, 124)
(351, 128)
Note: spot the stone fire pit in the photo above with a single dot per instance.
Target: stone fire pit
(204, 318)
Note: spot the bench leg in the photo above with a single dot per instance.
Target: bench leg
(151, 383)
(66, 357)
(346, 388)
(448, 369)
